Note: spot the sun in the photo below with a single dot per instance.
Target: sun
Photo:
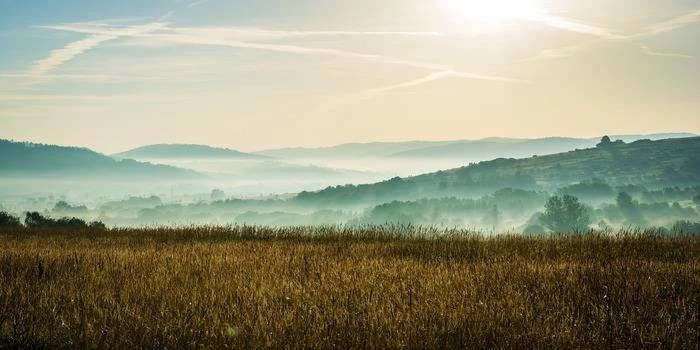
(494, 13)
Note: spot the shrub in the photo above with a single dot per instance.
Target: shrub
(565, 214)
(98, 225)
(9, 221)
(36, 220)
(686, 227)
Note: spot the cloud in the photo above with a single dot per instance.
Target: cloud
(39, 70)
(65, 54)
(242, 33)
(177, 36)
(655, 29)
(572, 25)
(577, 27)
(89, 77)
(562, 52)
(132, 97)
(648, 51)
(437, 76)
(672, 24)
(197, 3)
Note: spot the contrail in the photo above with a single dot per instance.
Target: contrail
(292, 49)
(60, 56)
(438, 76)
(648, 51)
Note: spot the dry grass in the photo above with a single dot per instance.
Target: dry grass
(334, 288)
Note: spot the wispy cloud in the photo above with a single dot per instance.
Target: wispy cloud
(671, 25)
(571, 25)
(39, 70)
(648, 51)
(57, 57)
(437, 76)
(561, 52)
(257, 39)
(242, 33)
(608, 35)
(44, 97)
(178, 36)
(197, 3)
(89, 77)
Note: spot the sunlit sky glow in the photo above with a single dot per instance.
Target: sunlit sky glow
(250, 75)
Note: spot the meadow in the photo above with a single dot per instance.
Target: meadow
(363, 287)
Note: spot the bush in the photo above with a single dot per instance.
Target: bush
(9, 221)
(97, 225)
(36, 220)
(686, 227)
(534, 230)
(565, 214)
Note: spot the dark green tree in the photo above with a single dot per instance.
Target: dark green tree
(492, 217)
(565, 214)
(630, 209)
(9, 221)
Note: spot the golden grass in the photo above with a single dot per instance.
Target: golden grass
(248, 287)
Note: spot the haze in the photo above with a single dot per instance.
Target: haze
(265, 74)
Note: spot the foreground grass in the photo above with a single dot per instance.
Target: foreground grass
(335, 288)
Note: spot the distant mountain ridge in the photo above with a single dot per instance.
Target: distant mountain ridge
(371, 149)
(492, 147)
(27, 159)
(669, 162)
(185, 151)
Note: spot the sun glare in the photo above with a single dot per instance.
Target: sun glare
(494, 13)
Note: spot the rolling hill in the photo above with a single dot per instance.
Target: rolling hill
(670, 162)
(32, 160)
(488, 148)
(184, 151)
(351, 150)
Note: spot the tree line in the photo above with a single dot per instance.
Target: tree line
(34, 220)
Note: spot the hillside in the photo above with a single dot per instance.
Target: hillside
(671, 162)
(493, 147)
(351, 150)
(499, 148)
(47, 161)
(183, 151)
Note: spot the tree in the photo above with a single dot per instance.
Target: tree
(565, 214)
(605, 141)
(630, 209)
(492, 217)
(64, 207)
(217, 194)
(34, 220)
(686, 227)
(9, 221)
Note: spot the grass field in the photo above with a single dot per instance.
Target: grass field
(247, 287)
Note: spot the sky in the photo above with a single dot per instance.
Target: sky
(251, 75)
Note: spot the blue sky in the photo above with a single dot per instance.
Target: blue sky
(259, 74)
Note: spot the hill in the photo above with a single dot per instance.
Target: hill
(47, 161)
(499, 148)
(671, 162)
(488, 148)
(184, 151)
(351, 150)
